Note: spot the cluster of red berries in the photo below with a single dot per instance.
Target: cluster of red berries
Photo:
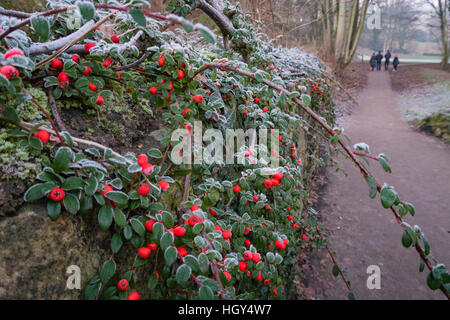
(146, 167)
(7, 70)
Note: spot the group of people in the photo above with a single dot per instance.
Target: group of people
(375, 60)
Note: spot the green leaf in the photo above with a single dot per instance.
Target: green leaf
(351, 296)
(306, 100)
(406, 240)
(92, 186)
(35, 143)
(73, 183)
(38, 191)
(42, 27)
(203, 262)
(118, 197)
(383, 161)
(155, 153)
(167, 219)
(138, 17)
(71, 203)
(120, 218)
(192, 262)
(205, 293)
(153, 281)
(388, 197)
(11, 114)
(138, 227)
(62, 159)
(170, 255)
(259, 76)
(166, 240)
(410, 208)
(183, 273)
(87, 9)
(93, 288)
(51, 81)
(335, 270)
(105, 217)
(53, 209)
(108, 270)
(433, 283)
(116, 243)
(372, 186)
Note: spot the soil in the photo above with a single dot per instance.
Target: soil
(359, 230)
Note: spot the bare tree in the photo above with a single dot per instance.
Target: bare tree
(441, 9)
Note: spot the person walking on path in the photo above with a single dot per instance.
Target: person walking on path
(373, 61)
(388, 58)
(396, 63)
(378, 58)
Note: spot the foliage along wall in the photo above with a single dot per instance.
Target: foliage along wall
(138, 225)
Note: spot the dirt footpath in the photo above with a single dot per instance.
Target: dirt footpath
(360, 231)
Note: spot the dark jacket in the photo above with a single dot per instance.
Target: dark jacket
(379, 57)
(388, 56)
(373, 60)
(396, 62)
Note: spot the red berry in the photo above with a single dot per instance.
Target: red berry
(242, 266)
(266, 282)
(9, 71)
(256, 257)
(13, 52)
(180, 74)
(303, 237)
(115, 38)
(122, 285)
(87, 71)
(119, 76)
(259, 277)
(247, 243)
(134, 296)
(268, 183)
(267, 206)
(246, 231)
(149, 225)
(237, 189)
(195, 207)
(294, 226)
(92, 86)
(182, 251)
(226, 234)
(212, 212)
(63, 77)
(290, 218)
(107, 62)
(248, 255)
(278, 176)
(88, 46)
(164, 185)
(185, 111)
(147, 168)
(152, 246)
(142, 159)
(275, 292)
(162, 60)
(153, 90)
(106, 189)
(56, 64)
(179, 231)
(192, 221)
(144, 189)
(44, 136)
(275, 182)
(100, 101)
(75, 58)
(278, 243)
(227, 275)
(198, 98)
(144, 252)
(255, 198)
(265, 109)
(57, 194)
(286, 242)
